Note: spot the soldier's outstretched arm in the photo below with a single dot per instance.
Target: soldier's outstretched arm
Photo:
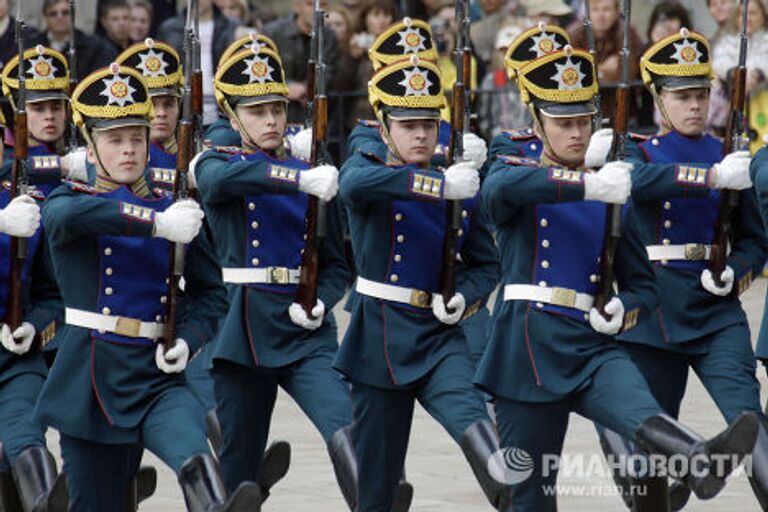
(220, 177)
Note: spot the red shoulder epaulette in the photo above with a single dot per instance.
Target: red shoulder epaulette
(36, 193)
(160, 192)
(79, 186)
(520, 161)
(230, 150)
(520, 133)
(637, 137)
(369, 123)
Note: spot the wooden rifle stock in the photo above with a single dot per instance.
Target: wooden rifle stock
(18, 247)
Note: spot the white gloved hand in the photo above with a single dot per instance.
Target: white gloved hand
(299, 316)
(20, 341)
(733, 172)
(599, 146)
(75, 164)
(615, 308)
(708, 282)
(175, 360)
(611, 184)
(321, 181)
(301, 144)
(462, 181)
(475, 150)
(180, 222)
(21, 217)
(439, 309)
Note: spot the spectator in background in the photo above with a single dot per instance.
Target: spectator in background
(721, 11)
(142, 13)
(726, 54)
(484, 31)
(291, 33)
(609, 38)
(353, 8)
(667, 18)
(500, 107)
(551, 12)
(237, 10)
(115, 19)
(216, 33)
(8, 33)
(92, 51)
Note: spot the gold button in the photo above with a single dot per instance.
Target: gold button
(398, 258)
(167, 280)
(545, 243)
(545, 264)
(108, 290)
(667, 205)
(664, 262)
(255, 261)
(593, 278)
(163, 299)
(304, 237)
(108, 271)
(655, 142)
(534, 147)
(542, 283)
(108, 251)
(394, 278)
(251, 206)
(667, 224)
(586, 316)
(539, 305)
(460, 232)
(255, 243)
(544, 223)
(106, 311)
(398, 216)
(254, 224)
(400, 238)
(158, 318)
(464, 214)
(665, 241)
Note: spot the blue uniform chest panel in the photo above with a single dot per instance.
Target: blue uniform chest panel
(275, 226)
(158, 157)
(682, 221)
(133, 273)
(569, 241)
(418, 234)
(5, 257)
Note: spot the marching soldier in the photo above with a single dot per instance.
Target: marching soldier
(551, 352)
(402, 342)
(677, 182)
(257, 196)
(22, 366)
(114, 389)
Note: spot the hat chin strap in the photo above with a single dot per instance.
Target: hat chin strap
(663, 111)
(387, 136)
(244, 135)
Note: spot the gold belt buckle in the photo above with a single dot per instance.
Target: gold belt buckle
(278, 275)
(420, 299)
(564, 297)
(695, 252)
(128, 326)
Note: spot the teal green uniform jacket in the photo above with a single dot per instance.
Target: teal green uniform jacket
(397, 218)
(257, 216)
(107, 261)
(759, 172)
(674, 205)
(549, 236)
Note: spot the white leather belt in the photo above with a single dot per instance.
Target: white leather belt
(121, 325)
(691, 252)
(264, 275)
(412, 296)
(556, 296)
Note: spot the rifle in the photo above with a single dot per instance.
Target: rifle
(186, 145)
(317, 108)
(72, 58)
(618, 152)
(597, 120)
(196, 79)
(729, 199)
(19, 181)
(460, 113)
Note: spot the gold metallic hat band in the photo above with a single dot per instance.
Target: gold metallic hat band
(152, 64)
(410, 40)
(415, 74)
(570, 93)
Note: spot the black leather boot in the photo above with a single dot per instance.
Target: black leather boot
(479, 443)
(759, 476)
(214, 432)
(274, 466)
(146, 483)
(615, 447)
(679, 493)
(40, 487)
(204, 491)
(9, 497)
(663, 435)
(650, 494)
(344, 465)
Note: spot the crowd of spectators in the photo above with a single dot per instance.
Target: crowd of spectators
(352, 25)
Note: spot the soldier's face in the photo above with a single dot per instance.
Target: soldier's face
(123, 153)
(568, 137)
(415, 140)
(163, 126)
(687, 110)
(264, 124)
(46, 120)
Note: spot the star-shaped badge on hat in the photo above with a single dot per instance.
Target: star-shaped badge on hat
(258, 69)
(416, 82)
(544, 44)
(569, 75)
(411, 40)
(41, 68)
(152, 64)
(118, 90)
(687, 52)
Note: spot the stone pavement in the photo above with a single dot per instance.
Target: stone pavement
(442, 479)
